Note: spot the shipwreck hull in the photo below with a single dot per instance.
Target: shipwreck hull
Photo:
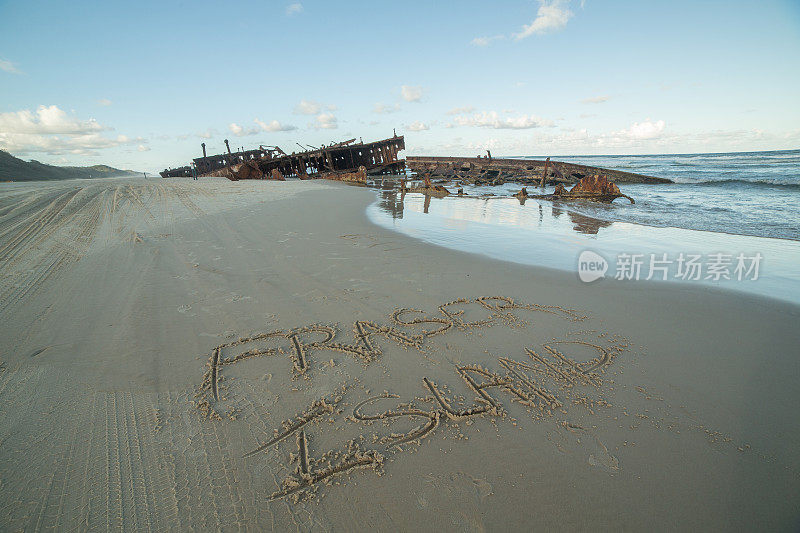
(485, 170)
(379, 157)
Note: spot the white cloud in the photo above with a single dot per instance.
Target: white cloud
(418, 126)
(8, 66)
(551, 16)
(643, 130)
(648, 139)
(307, 107)
(486, 41)
(105, 102)
(326, 121)
(411, 93)
(83, 144)
(46, 120)
(241, 131)
(461, 110)
(596, 99)
(274, 125)
(492, 119)
(383, 108)
(294, 9)
(51, 130)
(209, 133)
(143, 148)
(638, 135)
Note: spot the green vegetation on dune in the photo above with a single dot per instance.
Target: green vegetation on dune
(15, 169)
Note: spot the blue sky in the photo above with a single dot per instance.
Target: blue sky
(141, 85)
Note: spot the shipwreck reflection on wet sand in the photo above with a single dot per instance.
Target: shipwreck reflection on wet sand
(495, 210)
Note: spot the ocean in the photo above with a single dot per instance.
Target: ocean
(723, 209)
(745, 193)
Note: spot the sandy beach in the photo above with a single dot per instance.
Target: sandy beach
(216, 355)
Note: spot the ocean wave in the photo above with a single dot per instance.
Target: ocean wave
(748, 183)
(627, 167)
(687, 164)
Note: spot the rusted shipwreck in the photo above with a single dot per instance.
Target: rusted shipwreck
(347, 161)
(596, 188)
(491, 171)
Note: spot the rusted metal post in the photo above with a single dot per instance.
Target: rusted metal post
(544, 174)
(228, 162)
(557, 172)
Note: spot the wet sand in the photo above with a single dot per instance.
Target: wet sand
(258, 355)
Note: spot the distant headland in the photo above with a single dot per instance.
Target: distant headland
(15, 169)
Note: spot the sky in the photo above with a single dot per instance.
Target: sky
(139, 85)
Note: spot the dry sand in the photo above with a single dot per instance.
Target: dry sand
(257, 355)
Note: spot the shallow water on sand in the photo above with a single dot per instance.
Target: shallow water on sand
(554, 235)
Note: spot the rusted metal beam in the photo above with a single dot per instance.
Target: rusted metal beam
(544, 174)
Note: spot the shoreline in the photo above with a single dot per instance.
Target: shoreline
(503, 230)
(571, 205)
(175, 302)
